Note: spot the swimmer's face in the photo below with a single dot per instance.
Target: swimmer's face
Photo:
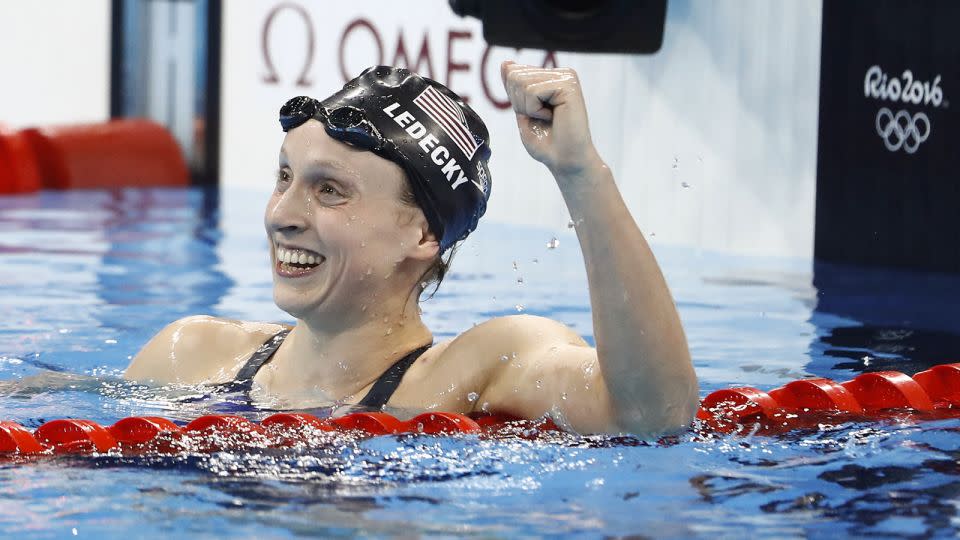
(336, 214)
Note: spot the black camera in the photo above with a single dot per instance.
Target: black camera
(608, 26)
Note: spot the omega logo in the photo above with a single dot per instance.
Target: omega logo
(438, 65)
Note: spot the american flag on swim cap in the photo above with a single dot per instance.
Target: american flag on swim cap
(448, 115)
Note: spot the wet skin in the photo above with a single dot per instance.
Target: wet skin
(361, 255)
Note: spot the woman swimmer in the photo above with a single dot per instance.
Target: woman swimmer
(375, 184)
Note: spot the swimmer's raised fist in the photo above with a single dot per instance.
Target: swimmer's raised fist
(552, 117)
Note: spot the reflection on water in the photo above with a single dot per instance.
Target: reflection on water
(895, 320)
(89, 277)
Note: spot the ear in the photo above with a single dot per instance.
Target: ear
(428, 248)
(424, 245)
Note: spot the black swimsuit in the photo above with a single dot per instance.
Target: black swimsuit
(376, 398)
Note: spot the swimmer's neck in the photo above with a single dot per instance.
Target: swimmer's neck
(340, 362)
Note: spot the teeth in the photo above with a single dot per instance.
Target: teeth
(296, 256)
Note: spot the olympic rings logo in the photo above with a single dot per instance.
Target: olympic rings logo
(901, 130)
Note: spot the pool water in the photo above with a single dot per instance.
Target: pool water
(88, 277)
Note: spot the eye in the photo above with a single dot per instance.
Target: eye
(330, 191)
(283, 178)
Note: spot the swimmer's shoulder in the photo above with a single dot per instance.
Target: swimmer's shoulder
(199, 349)
(513, 333)
(470, 361)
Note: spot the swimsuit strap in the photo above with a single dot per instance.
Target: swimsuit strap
(376, 398)
(260, 357)
(387, 384)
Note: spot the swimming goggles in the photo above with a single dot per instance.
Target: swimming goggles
(346, 124)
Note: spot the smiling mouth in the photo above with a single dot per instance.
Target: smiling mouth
(295, 262)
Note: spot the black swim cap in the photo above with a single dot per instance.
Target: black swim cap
(418, 123)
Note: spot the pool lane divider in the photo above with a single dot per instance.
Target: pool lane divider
(151, 434)
(934, 393)
(115, 154)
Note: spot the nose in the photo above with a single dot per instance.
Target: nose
(288, 212)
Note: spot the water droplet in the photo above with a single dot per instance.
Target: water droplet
(519, 307)
(563, 396)
(519, 279)
(504, 358)
(676, 161)
(539, 383)
(363, 244)
(389, 331)
(535, 260)
(516, 389)
(420, 427)
(684, 184)
(514, 265)
(369, 270)
(472, 396)
(485, 407)
(554, 243)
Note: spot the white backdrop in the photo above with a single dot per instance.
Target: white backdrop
(54, 62)
(712, 140)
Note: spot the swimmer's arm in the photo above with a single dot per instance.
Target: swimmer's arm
(534, 366)
(641, 347)
(195, 350)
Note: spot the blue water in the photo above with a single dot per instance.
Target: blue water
(88, 277)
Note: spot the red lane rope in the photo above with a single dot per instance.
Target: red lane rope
(151, 434)
(932, 393)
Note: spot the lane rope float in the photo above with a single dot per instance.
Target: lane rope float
(934, 393)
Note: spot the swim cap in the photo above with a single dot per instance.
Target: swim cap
(421, 125)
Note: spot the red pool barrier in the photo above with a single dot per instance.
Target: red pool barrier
(16, 439)
(942, 384)
(815, 395)
(119, 153)
(143, 434)
(296, 422)
(796, 404)
(803, 402)
(439, 423)
(75, 436)
(888, 390)
(19, 170)
(372, 423)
